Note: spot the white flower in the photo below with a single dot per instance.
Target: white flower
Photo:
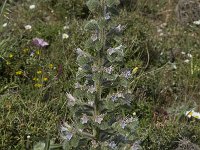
(91, 103)
(28, 137)
(109, 69)
(123, 124)
(66, 27)
(197, 22)
(189, 55)
(94, 144)
(174, 66)
(65, 36)
(27, 27)
(66, 131)
(5, 24)
(183, 53)
(94, 37)
(32, 7)
(159, 30)
(112, 145)
(187, 61)
(77, 85)
(192, 113)
(99, 118)
(71, 100)
(80, 52)
(91, 89)
(84, 119)
(113, 50)
(136, 146)
(107, 16)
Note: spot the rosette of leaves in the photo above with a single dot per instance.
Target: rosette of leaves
(100, 107)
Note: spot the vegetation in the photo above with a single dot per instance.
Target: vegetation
(43, 46)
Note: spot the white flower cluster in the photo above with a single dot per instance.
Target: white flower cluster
(192, 113)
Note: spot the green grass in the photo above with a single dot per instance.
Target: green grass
(28, 110)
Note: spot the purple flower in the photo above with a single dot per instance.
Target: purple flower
(40, 42)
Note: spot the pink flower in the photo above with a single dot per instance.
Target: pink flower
(40, 42)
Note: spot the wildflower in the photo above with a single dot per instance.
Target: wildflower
(84, 119)
(65, 132)
(113, 98)
(136, 146)
(32, 7)
(77, 85)
(71, 100)
(32, 54)
(18, 72)
(174, 66)
(159, 30)
(126, 121)
(66, 27)
(91, 89)
(10, 55)
(99, 118)
(107, 16)
(197, 22)
(39, 72)
(183, 53)
(38, 52)
(126, 74)
(112, 145)
(65, 36)
(27, 27)
(38, 85)
(113, 50)
(94, 144)
(51, 66)
(91, 103)
(35, 79)
(187, 61)
(109, 69)
(45, 79)
(25, 50)
(119, 28)
(192, 113)
(189, 55)
(80, 52)
(40, 42)
(94, 37)
(123, 124)
(5, 24)
(28, 137)
(134, 71)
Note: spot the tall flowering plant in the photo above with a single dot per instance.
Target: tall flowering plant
(101, 103)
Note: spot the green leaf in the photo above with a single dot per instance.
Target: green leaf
(93, 5)
(91, 25)
(111, 3)
(39, 146)
(83, 60)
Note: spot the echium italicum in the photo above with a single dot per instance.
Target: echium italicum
(100, 106)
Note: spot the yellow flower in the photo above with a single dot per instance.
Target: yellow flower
(135, 70)
(38, 52)
(38, 85)
(10, 55)
(25, 50)
(45, 79)
(35, 79)
(39, 72)
(18, 72)
(50, 66)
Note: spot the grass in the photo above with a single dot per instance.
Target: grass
(162, 93)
